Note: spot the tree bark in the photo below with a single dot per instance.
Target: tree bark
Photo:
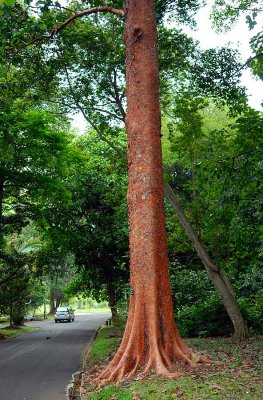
(112, 300)
(1, 210)
(151, 337)
(216, 274)
(52, 302)
(58, 300)
(11, 312)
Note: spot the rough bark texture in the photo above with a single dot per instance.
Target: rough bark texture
(151, 337)
(216, 275)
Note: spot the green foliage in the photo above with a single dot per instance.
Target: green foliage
(205, 319)
(250, 291)
(14, 288)
(199, 311)
(8, 3)
(217, 172)
(226, 13)
(97, 212)
(181, 10)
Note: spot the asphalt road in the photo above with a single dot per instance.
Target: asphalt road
(39, 365)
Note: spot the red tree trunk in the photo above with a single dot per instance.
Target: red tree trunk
(151, 337)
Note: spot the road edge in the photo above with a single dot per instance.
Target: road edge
(76, 379)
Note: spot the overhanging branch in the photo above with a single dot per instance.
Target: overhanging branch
(80, 14)
(250, 59)
(87, 12)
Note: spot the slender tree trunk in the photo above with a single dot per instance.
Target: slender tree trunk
(52, 302)
(216, 275)
(11, 312)
(151, 337)
(58, 301)
(112, 300)
(1, 211)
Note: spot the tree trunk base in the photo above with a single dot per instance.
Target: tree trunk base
(240, 334)
(123, 370)
(159, 361)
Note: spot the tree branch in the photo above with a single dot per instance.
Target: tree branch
(249, 60)
(80, 14)
(87, 12)
(98, 131)
(192, 235)
(117, 96)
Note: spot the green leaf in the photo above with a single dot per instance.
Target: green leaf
(8, 3)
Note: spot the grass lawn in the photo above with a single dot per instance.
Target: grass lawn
(7, 333)
(240, 376)
(104, 310)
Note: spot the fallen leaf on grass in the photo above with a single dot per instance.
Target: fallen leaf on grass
(136, 395)
(176, 392)
(194, 357)
(215, 386)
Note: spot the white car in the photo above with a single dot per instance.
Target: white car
(64, 314)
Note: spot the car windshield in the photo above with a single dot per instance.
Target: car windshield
(62, 309)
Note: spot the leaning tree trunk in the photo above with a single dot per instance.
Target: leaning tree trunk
(217, 276)
(151, 338)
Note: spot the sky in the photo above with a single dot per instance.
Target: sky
(238, 38)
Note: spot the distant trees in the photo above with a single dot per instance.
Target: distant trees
(33, 162)
(94, 226)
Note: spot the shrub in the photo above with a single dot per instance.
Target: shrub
(252, 310)
(204, 319)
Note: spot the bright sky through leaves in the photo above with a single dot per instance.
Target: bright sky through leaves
(239, 37)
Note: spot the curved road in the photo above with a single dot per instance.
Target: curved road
(39, 365)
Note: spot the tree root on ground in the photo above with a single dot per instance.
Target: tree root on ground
(126, 366)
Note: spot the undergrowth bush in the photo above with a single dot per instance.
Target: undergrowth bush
(199, 311)
(204, 319)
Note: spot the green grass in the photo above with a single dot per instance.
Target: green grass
(239, 378)
(106, 343)
(192, 388)
(7, 333)
(104, 310)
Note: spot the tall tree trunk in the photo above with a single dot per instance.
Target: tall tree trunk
(151, 337)
(11, 312)
(58, 300)
(52, 302)
(1, 211)
(216, 274)
(112, 300)
(221, 283)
